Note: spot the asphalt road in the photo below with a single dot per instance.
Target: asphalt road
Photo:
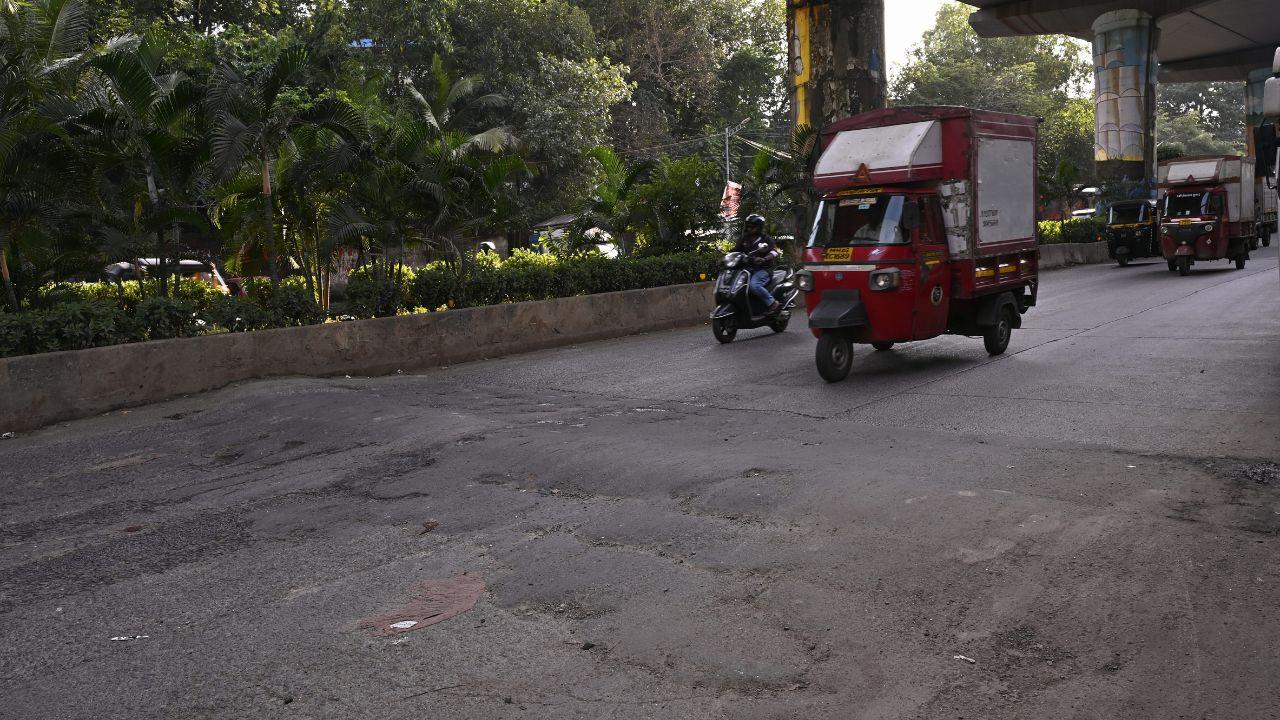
(669, 528)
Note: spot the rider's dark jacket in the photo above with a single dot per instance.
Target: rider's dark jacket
(760, 249)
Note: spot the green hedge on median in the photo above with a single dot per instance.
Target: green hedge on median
(1077, 230)
(523, 276)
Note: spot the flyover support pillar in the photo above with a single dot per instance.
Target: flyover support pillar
(837, 59)
(1255, 84)
(1124, 67)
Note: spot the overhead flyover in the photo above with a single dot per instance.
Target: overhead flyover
(1137, 43)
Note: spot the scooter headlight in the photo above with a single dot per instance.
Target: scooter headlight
(881, 280)
(804, 280)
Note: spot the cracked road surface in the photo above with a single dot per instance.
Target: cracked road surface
(669, 528)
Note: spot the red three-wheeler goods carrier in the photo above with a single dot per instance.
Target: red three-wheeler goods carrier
(927, 225)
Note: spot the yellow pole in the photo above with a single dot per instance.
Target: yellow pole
(803, 71)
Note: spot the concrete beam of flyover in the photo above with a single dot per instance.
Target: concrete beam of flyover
(1199, 40)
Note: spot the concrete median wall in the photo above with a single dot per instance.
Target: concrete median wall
(1058, 255)
(36, 390)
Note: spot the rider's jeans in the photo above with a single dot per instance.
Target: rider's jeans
(760, 278)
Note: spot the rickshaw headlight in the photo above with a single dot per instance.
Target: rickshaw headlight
(885, 279)
(1208, 227)
(804, 280)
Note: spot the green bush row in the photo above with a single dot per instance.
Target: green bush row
(77, 316)
(524, 276)
(1077, 230)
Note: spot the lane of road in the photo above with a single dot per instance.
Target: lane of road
(672, 528)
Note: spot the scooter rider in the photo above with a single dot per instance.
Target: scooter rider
(762, 254)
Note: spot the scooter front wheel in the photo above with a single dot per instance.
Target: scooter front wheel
(725, 329)
(834, 356)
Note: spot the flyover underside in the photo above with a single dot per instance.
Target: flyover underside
(1215, 40)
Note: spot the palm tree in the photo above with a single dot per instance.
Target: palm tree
(610, 207)
(43, 47)
(253, 123)
(147, 117)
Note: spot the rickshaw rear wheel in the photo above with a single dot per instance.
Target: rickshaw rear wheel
(1184, 265)
(725, 329)
(1266, 240)
(1122, 260)
(882, 346)
(1173, 265)
(834, 356)
(996, 338)
(1240, 261)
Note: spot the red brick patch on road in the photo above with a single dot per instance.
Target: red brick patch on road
(434, 601)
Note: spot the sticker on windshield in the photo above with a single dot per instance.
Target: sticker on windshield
(862, 203)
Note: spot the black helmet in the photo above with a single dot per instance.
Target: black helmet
(754, 221)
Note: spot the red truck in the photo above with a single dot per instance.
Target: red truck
(926, 226)
(1206, 210)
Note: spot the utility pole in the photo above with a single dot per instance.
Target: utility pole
(728, 177)
(836, 50)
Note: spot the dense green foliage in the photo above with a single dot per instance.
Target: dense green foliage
(1076, 230)
(524, 276)
(274, 138)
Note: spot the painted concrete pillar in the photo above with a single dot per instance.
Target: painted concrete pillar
(1124, 69)
(837, 59)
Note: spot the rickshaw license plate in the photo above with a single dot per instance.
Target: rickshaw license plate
(843, 253)
(1184, 222)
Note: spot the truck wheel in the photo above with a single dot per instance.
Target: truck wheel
(882, 346)
(1240, 261)
(834, 356)
(1184, 265)
(996, 338)
(725, 329)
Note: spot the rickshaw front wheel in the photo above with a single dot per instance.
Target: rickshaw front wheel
(834, 356)
(1184, 265)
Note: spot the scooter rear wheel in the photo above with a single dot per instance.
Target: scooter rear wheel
(834, 356)
(725, 329)
(780, 324)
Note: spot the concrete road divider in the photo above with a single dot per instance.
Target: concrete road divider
(1057, 255)
(36, 390)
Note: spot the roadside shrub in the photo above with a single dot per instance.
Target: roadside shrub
(70, 326)
(166, 318)
(377, 293)
(293, 305)
(239, 314)
(1076, 230)
(532, 276)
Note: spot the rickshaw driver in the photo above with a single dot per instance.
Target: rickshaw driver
(762, 254)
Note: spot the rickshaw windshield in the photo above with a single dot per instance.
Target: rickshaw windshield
(1180, 205)
(1127, 215)
(868, 220)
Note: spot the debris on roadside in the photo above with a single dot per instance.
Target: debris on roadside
(428, 526)
(965, 658)
(8, 436)
(131, 529)
(126, 638)
(434, 602)
(588, 645)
